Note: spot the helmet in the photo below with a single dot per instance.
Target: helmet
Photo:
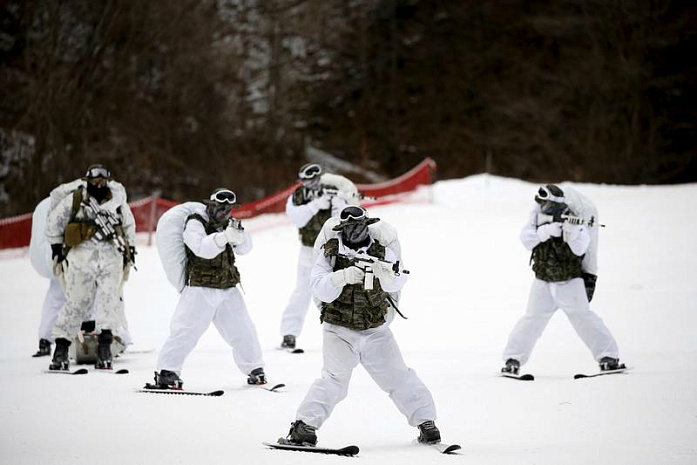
(353, 224)
(219, 205)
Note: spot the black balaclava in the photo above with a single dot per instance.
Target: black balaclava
(99, 193)
(355, 235)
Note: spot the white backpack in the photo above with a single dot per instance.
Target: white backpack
(169, 238)
(582, 207)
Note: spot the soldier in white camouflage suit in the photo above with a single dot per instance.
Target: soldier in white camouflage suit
(93, 262)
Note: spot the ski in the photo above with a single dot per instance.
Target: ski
(122, 371)
(602, 373)
(274, 388)
(295, 351)
(79, 371)
(153, 389)
(445, 448)
(525, 377)
(284, 444)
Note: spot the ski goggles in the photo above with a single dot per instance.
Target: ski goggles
(224, 196)
(310, 171)
(353, 212)
(97, 172)
(544, 194)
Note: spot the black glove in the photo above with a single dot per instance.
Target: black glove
(57, 252)
(132, 253)
(589, 281)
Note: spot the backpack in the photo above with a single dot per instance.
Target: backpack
(39, 248)
(169, 239)
(582, 207)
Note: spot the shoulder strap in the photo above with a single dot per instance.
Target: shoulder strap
(77, 200)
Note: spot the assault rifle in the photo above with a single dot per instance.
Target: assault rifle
(334, 192)
(561, 218)
(106, 222)
(364, 262)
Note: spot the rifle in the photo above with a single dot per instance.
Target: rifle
(106, 222)
(364, 262)
(561, 218)
(334, 192)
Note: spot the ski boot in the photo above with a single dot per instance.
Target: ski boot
(609, 364)
(168, 380)
(44, 348)
(288, 342)
(60, 355)
(429, 433)
(257, 377)
(104, 350)
(302, 434)
(512, 367)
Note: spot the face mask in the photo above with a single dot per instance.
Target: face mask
(355, 233)
(98, 193)
(219, 213)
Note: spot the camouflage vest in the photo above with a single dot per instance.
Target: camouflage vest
(355, 308)
(309, 232)
(219, 272)
(79, 230)
(553, 261)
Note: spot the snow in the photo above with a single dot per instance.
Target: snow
(468, 286)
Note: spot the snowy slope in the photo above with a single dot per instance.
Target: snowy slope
(468, 286)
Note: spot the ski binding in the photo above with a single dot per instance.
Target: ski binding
(602, 373)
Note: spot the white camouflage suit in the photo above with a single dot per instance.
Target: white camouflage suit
(199, 306)
(293, 318)
(93, 270)
(570, 296)
(376, 349)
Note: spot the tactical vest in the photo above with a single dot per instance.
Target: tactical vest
(309, 232)
(355, 308)
(78, 230)
(553, 261)
(219, 272)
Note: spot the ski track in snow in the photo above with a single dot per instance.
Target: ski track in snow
(468, 286)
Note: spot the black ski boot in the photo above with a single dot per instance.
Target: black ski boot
(44, 348)
(104, 350)
(257, 376)
(168, 380)
(302, 434)
(60, 355)
(609, 364)
(288, 342)
(512, 367)
(429, 433)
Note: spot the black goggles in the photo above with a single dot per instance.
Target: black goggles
(98, 172)
(356, 213)
(309, 172)
(224, 196)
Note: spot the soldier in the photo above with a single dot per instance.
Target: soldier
(558, 249)
(92, 238)
(355, 330)
(210, 294)
(320, 197)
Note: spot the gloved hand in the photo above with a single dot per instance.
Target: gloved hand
(230, 235)
(322, 202)
(350, 275)
(132, 252)
(571, 231)
(545, 231)
(383, 271)
(57, 253)
(58, 259)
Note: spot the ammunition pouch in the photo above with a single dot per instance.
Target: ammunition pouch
(77, 233)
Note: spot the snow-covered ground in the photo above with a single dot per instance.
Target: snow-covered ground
(469, 284)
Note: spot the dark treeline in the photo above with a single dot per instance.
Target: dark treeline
(178, 97)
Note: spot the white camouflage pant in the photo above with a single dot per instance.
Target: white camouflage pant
(545, 299)
(94, 272)
(197, 308)
(377, 350)
(294, 315)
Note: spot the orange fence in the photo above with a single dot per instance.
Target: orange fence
(16, 231)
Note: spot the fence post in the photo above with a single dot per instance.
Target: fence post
(153, 211)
